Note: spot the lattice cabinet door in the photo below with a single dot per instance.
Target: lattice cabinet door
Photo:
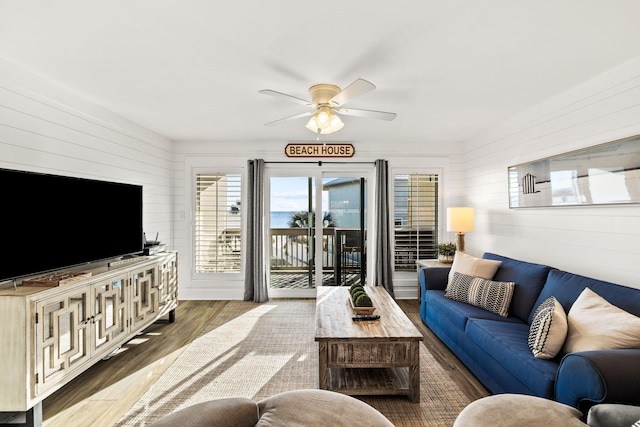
(144, 295)
(168, 279)
(62, 328)
(110, 315)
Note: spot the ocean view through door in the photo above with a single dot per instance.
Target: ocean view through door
(317, 232)
(292, 230)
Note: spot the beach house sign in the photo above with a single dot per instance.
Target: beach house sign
(319, 150)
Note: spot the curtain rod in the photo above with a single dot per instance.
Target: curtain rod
(320, 162)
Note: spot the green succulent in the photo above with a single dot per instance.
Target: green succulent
(356, 294)
(355, 289)
(363, 300)
(355, 285)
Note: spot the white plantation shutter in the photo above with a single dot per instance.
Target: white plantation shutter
(415, 219)
(218, 219)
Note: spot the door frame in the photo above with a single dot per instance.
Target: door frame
(318, 171)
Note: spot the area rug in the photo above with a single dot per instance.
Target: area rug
(257, 350)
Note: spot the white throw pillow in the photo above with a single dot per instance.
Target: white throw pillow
(595, 324)
(548, 329)
(473, 266)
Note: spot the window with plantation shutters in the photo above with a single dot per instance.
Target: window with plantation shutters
(218, 215)
(415, 219)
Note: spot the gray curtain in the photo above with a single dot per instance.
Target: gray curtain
(255, 274)
(384, 268)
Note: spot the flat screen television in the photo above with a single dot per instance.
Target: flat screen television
(51, 222)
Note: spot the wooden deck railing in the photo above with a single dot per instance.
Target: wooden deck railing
(290, 248)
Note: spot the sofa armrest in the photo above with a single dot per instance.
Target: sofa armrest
(589, 377)
(433, 278)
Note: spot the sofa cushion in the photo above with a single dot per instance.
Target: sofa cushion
(594, 324)
(477, 267)
(506, 342)
(529, 279)
(457, 313)
(566, 287)
(486, 294)
(548, 329)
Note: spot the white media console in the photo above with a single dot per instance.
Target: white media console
(49, 335)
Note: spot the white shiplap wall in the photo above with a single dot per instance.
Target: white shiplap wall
(601, 242)
(45, 128)
(220, 155)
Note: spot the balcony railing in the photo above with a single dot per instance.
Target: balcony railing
(291, 250)
(341, 248)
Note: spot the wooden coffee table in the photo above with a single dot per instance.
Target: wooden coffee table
(379, 357)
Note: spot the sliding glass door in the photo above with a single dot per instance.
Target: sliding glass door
(346, 204)
(318, 223)
(292, 228)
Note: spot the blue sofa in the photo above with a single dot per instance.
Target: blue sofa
(496, 349)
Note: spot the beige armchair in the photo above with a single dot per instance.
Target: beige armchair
(309, 407)
(517, 410)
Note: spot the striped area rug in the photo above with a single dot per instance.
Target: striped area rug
(257, 350)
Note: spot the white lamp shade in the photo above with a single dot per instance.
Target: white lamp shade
(460, 219)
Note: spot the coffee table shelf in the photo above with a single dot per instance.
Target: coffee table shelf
(369, 381)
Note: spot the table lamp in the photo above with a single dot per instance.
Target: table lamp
(460, 220)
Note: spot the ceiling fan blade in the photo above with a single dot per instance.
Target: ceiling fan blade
(285, 96)
(297, 116)
(357, 88)
(380, 115)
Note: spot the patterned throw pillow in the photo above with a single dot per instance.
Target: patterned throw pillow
(548, 329)
(486, 294)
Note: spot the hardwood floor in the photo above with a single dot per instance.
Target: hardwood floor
(464, 379)
(102, 394)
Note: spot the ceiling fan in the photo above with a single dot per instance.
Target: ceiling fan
(327, 103)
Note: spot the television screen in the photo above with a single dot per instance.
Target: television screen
(51, 222)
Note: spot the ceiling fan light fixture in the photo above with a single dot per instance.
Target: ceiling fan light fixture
(336, 123)
(312, 125)
(323, 118)
(327, 100)
(324, 122)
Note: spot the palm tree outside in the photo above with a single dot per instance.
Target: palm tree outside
(300, 219)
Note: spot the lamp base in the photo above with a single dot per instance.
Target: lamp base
(460, 242)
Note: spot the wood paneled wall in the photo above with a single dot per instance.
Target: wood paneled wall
(45, 128)
(600, 242)
(218, 155)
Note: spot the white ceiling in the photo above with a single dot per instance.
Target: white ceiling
(191, 69)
